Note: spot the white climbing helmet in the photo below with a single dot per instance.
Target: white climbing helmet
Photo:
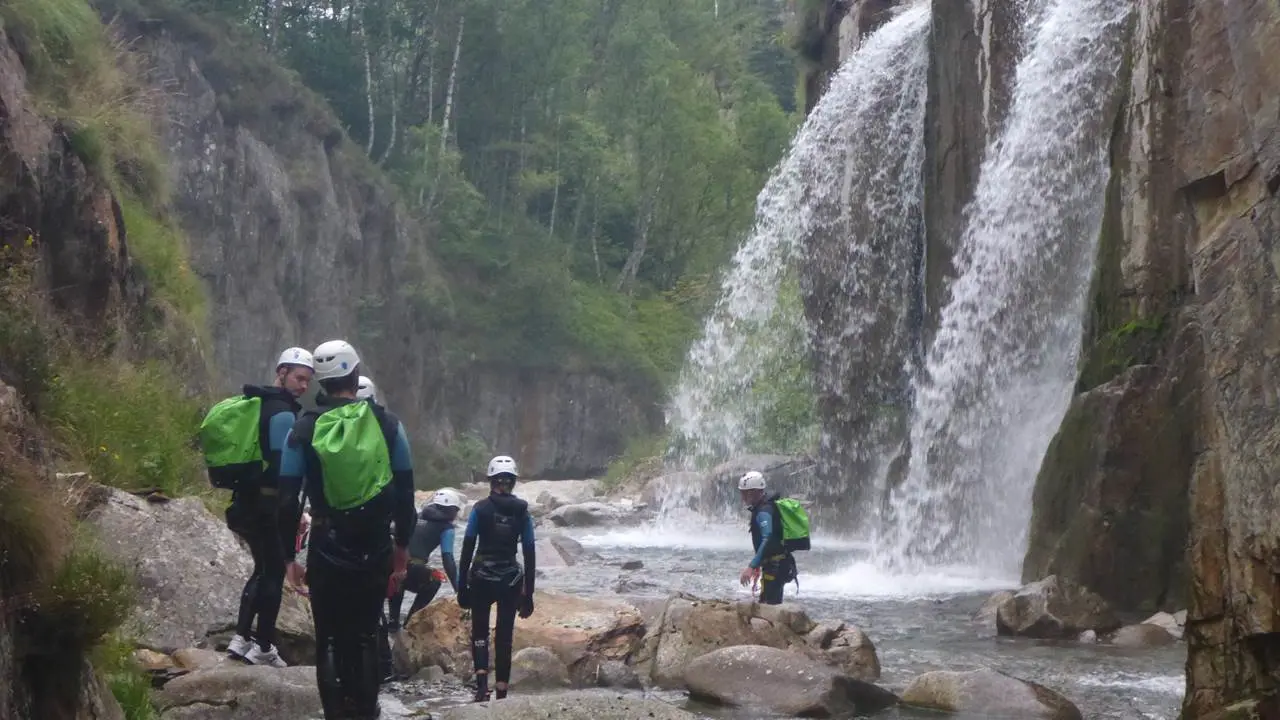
(447, 498)
(751, 481)
(296, 356)
(500, 465)
(366, 389)
(335, 359)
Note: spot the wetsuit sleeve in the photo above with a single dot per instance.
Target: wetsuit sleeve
(405, 514)
(528, 544)
(446, 557)
(468, 547)
(278, 428)
(765, 522)
(293, 468)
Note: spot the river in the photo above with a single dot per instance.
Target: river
(918, 623)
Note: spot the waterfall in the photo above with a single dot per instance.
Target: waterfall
(854, 165)
(998, 376)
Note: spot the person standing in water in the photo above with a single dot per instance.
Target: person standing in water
(773, 565)
(353, 457)
(496, 524)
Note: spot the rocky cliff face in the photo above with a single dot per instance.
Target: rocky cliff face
(50, 202)
(299, 240)
(1159, 488)
(1161, 484)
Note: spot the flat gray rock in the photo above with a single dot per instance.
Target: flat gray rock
(580, 705)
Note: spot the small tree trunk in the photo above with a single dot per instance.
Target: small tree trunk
(448, 110)
(368, 75)
(629, 270)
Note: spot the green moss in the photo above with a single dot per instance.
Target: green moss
(161, 250)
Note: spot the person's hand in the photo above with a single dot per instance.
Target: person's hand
(749, 575)
(526, 606)
(296, 575)
(399, 564)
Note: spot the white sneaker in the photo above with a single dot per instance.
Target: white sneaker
(258, 656)
(239, 647)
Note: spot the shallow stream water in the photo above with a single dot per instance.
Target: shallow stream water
(918, 623)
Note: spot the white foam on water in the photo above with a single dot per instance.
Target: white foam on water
(1159, 684)
(864, 580)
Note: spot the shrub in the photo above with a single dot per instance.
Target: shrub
(130, 686)
(131, 425)
(34, 526)
(25, 358)
(643, 455)
(89, 80)
(453, 465)
(88, 597)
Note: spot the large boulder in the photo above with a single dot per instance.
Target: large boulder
(1142, 635)
(1054, 608)
(190, 570)
(1174, 623)
(538, 668)
(688, 627)
(788, 683)
(617, 674)
(557, 551)
(587, 514)
(240, 692)
(988, 694)
(551, 494)
(582, 632)
(987, 613)
(598, 705)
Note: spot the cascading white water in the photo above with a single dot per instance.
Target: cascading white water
(998, 376)
(870, 119)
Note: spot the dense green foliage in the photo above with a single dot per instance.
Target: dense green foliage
(587, 165)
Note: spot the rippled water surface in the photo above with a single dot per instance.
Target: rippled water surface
(918, 623)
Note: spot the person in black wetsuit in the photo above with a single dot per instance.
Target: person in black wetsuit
(773, 566)
(496, 524)
(252, 513)
(435, 530)
(353, 457)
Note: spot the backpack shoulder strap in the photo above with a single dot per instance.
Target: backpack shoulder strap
(304, 427)
(389, 423)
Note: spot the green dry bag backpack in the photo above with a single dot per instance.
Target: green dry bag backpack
(355, 462)
(795, 524)
(231, 441)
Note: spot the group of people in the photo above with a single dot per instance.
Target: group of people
(366, 543)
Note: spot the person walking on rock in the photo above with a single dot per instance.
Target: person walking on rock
(496, 524)
(773, 565)
(252, 513)
(353, 458)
